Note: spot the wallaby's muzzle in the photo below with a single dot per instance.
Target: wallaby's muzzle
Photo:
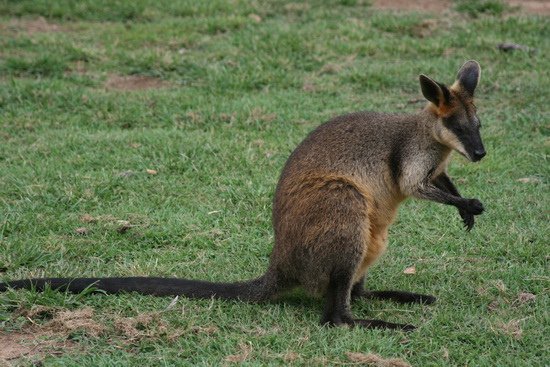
(475, 148)
(478, 154)
(470, 140)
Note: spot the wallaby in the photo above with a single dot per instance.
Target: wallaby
(337, 195)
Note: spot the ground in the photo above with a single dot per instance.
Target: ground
(146, 138)
(435, 6)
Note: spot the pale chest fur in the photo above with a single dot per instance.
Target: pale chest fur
(419, 169)
(442, 167)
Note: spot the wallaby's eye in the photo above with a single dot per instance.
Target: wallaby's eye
(458, 128)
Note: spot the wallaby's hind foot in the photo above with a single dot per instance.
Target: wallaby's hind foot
(358, 291)
(368, 324)
(401, 296)
(379, 324)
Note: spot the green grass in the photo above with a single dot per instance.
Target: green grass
(477, 7)
(243, 94)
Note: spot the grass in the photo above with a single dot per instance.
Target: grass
(476, 7)
(248, 81)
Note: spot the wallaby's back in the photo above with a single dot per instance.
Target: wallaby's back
(366, 145)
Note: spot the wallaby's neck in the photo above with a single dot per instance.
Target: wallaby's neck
(433, 125)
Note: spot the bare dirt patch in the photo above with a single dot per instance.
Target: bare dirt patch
(135, 82)
(38, 340)
(541, 7)
(431, 6)
(31, 344)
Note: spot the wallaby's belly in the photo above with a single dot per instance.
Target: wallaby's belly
(376, 244)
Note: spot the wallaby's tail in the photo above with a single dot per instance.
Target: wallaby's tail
(258, 289)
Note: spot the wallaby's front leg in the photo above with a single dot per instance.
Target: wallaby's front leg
(444, 183)
(467, 207)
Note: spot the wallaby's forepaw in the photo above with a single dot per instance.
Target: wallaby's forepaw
(473, 207)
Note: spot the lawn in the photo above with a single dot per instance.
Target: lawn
(146, 138)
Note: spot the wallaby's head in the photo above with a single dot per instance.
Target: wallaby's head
(458, 125)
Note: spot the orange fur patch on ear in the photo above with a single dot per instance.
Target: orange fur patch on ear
(443, 110)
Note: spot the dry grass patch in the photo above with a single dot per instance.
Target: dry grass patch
(69, 321)
(30, 26)
(511, 328)
(245, 350)
(372, 359)
(49, 331)
(141, 326)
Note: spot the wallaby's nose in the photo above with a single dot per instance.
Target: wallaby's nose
(478, 154)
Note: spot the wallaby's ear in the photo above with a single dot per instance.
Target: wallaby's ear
(468, 76)
(434, 92)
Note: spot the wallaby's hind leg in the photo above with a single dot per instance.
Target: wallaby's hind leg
(337, 308)
(337, 304)
(359, 291)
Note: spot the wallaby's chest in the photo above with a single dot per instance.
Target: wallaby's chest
(440, 166)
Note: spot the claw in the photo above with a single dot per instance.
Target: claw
(468, 220)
